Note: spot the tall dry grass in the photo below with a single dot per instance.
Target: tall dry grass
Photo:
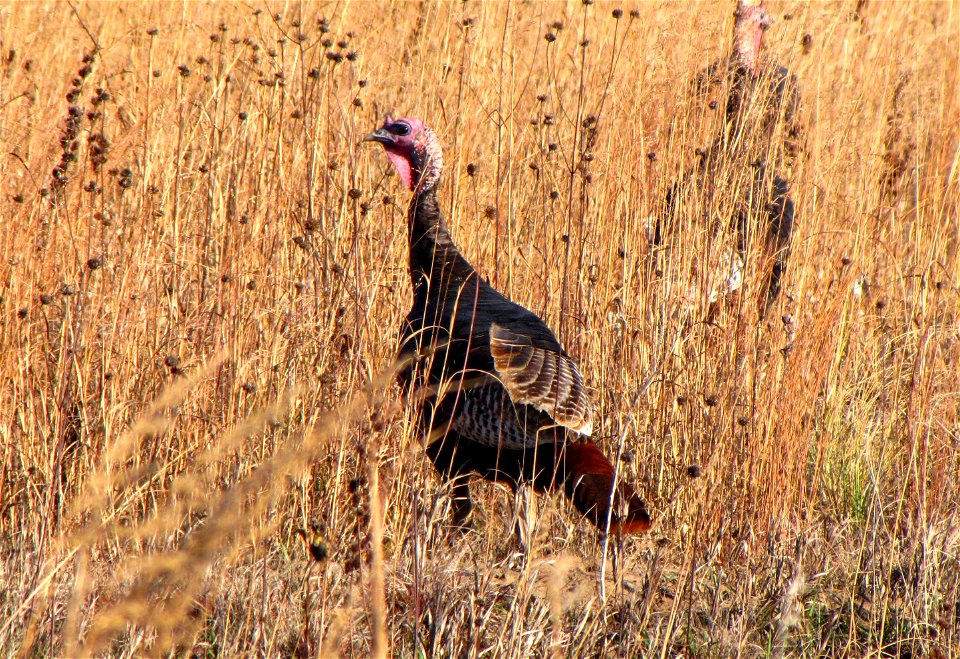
(200, 304)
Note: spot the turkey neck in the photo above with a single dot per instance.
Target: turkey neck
(432, 250)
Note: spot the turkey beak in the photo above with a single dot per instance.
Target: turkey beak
(379, 135)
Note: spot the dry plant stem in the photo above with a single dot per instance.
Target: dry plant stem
(186, 567)
(378, 607)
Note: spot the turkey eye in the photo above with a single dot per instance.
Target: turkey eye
(401, 129)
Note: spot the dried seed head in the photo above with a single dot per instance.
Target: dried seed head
(694, 471)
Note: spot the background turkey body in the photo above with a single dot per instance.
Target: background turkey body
(745, 169)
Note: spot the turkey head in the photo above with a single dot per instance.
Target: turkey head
(413, 149)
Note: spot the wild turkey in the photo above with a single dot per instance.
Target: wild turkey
(504, 400)
(760, 132)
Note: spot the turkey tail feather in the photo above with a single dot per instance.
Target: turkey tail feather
(588, 483)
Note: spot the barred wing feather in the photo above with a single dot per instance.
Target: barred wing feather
(547, 380)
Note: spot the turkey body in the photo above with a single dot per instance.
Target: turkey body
(505, 401)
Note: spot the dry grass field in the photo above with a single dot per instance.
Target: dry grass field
(204, 273)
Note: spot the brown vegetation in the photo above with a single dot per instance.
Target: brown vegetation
(204, 273)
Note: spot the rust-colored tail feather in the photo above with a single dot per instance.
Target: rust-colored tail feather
(588, 482)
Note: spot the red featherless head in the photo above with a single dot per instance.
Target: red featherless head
(750, 23)
(413, 149)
